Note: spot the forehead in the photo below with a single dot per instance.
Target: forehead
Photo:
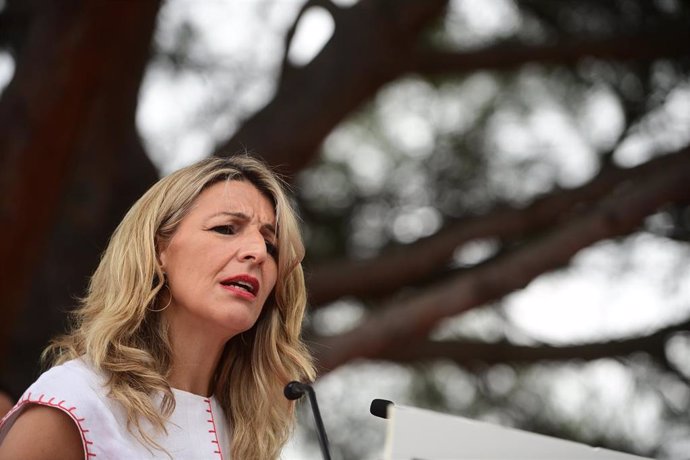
(235, 196)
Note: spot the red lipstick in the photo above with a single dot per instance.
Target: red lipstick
(244, 286)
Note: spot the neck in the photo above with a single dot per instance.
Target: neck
(195, 355)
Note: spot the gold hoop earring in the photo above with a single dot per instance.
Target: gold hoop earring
(158, 310)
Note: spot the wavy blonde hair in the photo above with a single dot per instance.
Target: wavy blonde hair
(119, 329)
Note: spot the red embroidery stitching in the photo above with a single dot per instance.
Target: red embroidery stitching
(213, 431)
(86, 443)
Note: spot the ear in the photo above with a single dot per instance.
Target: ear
(162, 256)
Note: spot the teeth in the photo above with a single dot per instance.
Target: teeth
(245, 286)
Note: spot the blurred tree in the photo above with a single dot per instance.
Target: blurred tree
(402, 191)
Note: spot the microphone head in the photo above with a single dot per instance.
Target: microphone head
(379, 407)
(294, 390)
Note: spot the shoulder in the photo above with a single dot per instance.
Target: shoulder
(67, 375)
(67, 396)
(69, 387)
(59, 438)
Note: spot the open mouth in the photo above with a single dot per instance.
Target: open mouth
(245, 283)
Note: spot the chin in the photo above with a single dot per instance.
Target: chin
(236, 326)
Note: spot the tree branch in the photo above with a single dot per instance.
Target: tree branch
(642, 47)
(14, 21)
(285, 67)
(392, 270)
(470, 354)
(369, 47)
(373, 44)
(398, 323)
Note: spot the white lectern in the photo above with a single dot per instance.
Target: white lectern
(417, 434)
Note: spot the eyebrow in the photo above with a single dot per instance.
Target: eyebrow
(270, 228)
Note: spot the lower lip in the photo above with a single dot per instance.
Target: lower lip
(239, 292)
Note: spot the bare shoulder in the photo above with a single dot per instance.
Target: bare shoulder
(42, 432)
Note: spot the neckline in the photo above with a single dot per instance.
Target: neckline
(191, 396)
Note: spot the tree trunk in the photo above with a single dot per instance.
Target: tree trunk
(70, 151)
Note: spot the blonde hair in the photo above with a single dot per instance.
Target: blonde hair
(118, 327)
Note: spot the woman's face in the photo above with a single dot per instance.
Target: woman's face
(220, 262)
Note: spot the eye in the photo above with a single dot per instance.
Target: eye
(271, 249)
(224, 229)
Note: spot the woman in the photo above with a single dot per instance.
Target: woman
(189, 330)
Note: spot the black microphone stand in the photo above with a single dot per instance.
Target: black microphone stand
(295, 390)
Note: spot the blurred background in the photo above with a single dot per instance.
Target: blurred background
(494, 193)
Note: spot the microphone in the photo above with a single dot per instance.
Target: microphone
(379, 407)
(295, 390)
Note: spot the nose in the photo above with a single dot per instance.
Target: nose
(253, 247)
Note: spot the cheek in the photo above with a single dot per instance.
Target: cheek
(272, 275)
(269, 283)
(183, 256)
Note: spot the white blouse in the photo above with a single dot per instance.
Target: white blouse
(197, 429)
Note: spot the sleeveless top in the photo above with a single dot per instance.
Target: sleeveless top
(197, 429)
